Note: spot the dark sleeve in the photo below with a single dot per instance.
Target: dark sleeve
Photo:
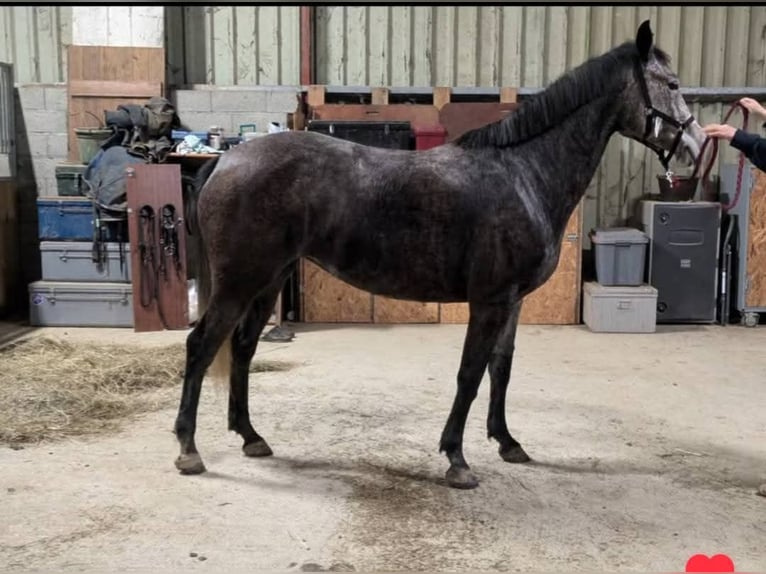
(753, 146)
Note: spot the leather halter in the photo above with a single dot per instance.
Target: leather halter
(652, 114)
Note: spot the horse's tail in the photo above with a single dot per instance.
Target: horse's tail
(220, 367)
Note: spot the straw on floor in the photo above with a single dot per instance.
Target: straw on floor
(52, 389)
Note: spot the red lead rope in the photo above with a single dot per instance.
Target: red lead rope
(741, 167)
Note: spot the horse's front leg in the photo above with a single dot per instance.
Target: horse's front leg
(484, 325)
(500, 373)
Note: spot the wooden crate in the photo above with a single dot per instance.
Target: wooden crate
(327, 299)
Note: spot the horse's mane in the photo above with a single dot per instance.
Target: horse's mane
(595, 78)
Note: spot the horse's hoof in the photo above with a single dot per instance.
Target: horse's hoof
(515, 454)
(762, 489)
(190, 464)
(258, 448)
(461, 477)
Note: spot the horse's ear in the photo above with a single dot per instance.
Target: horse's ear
(644, 40)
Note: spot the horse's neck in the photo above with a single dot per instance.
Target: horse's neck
(565, 158)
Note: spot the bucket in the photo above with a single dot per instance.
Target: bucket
(682, 188)
(89, 141)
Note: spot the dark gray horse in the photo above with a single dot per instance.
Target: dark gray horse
(478, 220)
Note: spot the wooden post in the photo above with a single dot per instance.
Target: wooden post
(307, 44)
(380, 96)
(316, 95)
(508, 95)
(442, 95)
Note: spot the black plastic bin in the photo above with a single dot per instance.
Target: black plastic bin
(385, 134)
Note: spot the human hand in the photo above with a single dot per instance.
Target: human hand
(751, 105)
(723, 131)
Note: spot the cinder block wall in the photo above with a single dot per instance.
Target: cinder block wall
(41, 144)
(228, 108)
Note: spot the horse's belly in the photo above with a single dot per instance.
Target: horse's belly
(410, 273)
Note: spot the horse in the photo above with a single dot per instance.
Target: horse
(477, 220)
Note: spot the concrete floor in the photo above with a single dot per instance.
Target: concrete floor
(647, 449)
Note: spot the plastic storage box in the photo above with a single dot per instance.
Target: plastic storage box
(69, 179)
(620, 255)
(73, 261)
(63, 304)
(620, 309)
(427, 137)
(71, 219)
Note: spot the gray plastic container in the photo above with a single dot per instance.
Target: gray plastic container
(619, 309)
(70, 304)
(620, 255)
(73, 261)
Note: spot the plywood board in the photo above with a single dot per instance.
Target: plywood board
(557, 301)
(327, 299)
(756, 256)
(387, 310)
(101, 78)
(157, 185)
(454, 313)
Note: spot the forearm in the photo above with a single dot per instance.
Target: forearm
(753, 146)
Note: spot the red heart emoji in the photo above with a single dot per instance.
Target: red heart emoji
(702, 563)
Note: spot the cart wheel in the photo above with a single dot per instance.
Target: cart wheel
(751, 319)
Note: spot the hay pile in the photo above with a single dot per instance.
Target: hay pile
(52, 389)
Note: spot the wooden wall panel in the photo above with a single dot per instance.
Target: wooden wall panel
(103, 77)
(326, 299)
(454, 313)
(157, 185)
(557, 301)
(386, 310)
(756, 257)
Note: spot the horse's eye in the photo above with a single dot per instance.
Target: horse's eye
(673, 85)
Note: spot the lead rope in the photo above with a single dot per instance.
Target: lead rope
(706, 183)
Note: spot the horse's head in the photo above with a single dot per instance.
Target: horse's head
(655, 113)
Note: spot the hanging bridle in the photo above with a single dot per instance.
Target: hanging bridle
(652, 115)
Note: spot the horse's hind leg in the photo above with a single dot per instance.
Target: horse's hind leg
(484, 325)
(202, 344)
(243, 345)
(500, 373)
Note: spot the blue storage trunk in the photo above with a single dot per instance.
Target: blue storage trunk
(71, 219)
